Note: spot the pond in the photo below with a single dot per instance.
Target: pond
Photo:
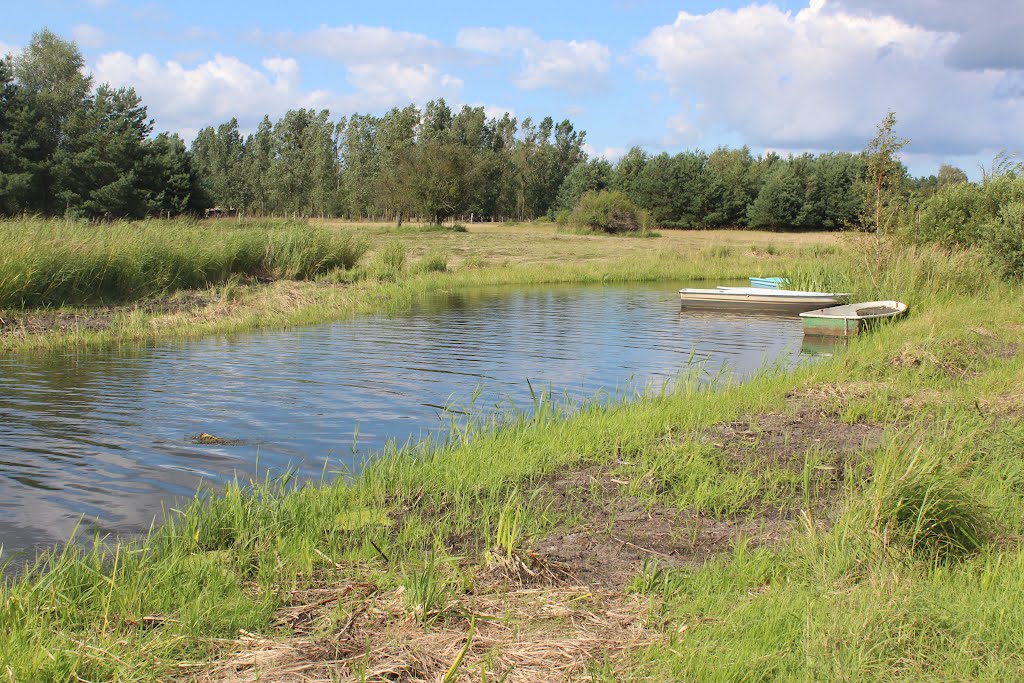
(106, 438)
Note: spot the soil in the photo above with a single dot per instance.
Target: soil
(623, 532)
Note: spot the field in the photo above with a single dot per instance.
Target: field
(859, 519)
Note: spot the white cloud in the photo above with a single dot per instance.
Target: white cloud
(6, 49)
(613, 154)
(185, 99)
(359, 44)
(573, 66)
(823, 78)
(211, 92)
(87, 35)
(386, 82)
(99, 4)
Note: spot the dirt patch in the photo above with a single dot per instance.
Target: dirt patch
(623, 532)
(833, 398)
(100, 318)
(1008, 405)
(355, 632)
(783, 439)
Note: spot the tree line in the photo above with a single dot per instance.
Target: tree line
(69, 149)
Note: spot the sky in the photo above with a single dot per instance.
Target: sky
(789, 76)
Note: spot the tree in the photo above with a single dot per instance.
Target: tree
(170, 182)
(885, 173)
(779, 202)
(51, 68)
(950, 175)
(832, 199)
(21, 150)
(586, 176)
(628, 170)
(99, 170)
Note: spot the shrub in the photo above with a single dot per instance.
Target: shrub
(608, 211)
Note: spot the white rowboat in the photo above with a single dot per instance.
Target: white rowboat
(757, 298)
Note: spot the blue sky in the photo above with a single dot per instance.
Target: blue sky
(811, 75)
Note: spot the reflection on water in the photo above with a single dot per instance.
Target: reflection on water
(105, 436)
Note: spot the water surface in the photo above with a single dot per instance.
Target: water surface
(106, 436)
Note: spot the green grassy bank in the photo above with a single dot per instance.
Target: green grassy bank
(858, 519)
(65, 285)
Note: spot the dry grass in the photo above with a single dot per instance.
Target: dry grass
(542, 243)
(353, 632)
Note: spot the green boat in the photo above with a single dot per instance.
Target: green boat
(851, 319)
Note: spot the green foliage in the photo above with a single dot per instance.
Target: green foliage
(608, 211)
(587, 176)
(52, 264)
(884, 191)
(779, 202)
(986, 215)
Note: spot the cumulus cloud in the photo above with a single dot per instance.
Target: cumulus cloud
(87, 35)
(6, 49)
(574, 66)
(823, 77)
(385, 82)
(185, 99)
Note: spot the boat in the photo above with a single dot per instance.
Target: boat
(851, 319)
(757, 298)
(769, 282)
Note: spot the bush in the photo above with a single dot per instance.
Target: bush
(989, 215)
(608, 211)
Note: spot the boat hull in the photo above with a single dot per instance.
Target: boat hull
(768, 282)
(850, 320)
(751, 298)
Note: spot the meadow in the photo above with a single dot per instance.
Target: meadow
(857, 519)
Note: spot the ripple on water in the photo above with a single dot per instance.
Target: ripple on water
(106, 435)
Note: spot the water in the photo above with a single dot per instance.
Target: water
(106, 437)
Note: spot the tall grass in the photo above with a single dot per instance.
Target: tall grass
(879, 269)
(50, 263)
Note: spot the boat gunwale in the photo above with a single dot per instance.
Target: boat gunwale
(821, 313)
(780, 294)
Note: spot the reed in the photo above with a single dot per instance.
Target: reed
(52, 264)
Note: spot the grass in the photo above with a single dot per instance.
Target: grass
(58, 263)
(901, 563)
(383, 268)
